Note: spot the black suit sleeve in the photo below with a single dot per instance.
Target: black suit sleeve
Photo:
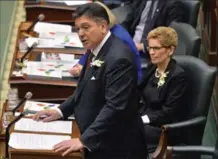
(67, 107)
(120, 82)
(173, 103)
(175, 12)
(131, 15)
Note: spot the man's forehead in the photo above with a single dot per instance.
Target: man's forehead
(84, 19)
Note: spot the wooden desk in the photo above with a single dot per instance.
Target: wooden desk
(45, 154)
(33, 154)
(53, 11)
(42, 89)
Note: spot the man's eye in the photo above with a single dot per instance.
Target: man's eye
(86, 27)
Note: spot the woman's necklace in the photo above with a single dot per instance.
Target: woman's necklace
(157, 74)
(161, 77)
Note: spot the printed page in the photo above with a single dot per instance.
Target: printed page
(27, 124)
(72, 3)
(38, 106)
(48, 30)
(35, 141)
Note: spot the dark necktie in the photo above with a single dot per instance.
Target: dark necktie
(89, 60)
(148, 24)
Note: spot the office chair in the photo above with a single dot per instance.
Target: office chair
(189, 41)
(190, 130)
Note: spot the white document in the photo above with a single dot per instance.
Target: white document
(73, 2)
(42, 70)
(48, 30)
(27, 124)
(68, 39)
(38, 106)
(35, 141)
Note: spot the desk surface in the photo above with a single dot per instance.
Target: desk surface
(53, 11)
(75, 155)
(15, 153)
(41, 89)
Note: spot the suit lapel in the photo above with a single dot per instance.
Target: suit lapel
(160, 7)
(85, 77)
(138, 15)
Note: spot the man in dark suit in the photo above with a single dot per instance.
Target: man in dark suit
(149, 14)
(105, 101)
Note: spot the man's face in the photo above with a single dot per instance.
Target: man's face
(91, 32)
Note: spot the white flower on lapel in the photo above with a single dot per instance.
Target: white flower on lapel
(97, 63)
(162, 79)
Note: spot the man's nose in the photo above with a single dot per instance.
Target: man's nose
(80, 33)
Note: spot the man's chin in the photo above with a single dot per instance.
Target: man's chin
(87, 46)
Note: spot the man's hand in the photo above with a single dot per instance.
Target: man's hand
(75, 70)
(69, 146)
(139, 46)
(47, 115)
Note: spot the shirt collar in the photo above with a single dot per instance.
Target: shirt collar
(98, 48)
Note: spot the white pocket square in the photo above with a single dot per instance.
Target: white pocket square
(93, 78)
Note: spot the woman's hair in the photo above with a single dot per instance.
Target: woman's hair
(166, 35)
(112, 18)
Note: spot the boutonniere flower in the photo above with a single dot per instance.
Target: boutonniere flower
(97, 63)
(161, 77)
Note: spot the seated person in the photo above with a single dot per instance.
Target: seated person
(149, 14)
(163, 87)
(116, 3)
(119, 32)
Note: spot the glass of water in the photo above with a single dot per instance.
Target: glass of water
(6, 119)
(12, 98)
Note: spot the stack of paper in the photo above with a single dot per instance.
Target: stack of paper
(48, 30)
(68, 39)
(27, 124)
(64, 58)
(55, 70)
(70, 3)
(38, 106)
(42, 70)
(35, 141)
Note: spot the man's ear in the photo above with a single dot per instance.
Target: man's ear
(104, 26)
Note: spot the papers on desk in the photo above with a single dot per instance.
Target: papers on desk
(74, 3)
(34, 107)
(67, 58)
(48, 30)
(54, 36)
(38, 106)
(42, 70)
(53, 70)
(27, 124)
(68, 39)
(70, 3)
(35, 141)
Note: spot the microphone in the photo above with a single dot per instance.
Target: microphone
(27, 97)
(7, 134)
(40, 18)
(28, 51)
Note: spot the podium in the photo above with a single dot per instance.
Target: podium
(53, 11)
(44, 90)
(45, 154)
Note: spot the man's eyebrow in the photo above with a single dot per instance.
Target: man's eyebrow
(84, 23)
